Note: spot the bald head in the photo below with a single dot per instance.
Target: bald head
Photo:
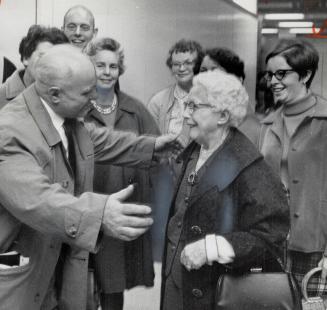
(79, 26)
(60, 64)
(65, 78)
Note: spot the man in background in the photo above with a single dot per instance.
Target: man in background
(37, 41)
(79, 26)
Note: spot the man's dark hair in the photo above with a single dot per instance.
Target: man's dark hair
(37, 34)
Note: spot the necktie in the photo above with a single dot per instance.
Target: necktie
(69, 125)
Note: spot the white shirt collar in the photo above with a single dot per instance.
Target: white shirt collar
(56, 119)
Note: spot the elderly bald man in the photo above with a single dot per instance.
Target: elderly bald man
(48, 213)
(79, 26)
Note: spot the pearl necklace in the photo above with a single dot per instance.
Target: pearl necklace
(105, 110)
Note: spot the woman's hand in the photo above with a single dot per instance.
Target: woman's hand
(194, 255)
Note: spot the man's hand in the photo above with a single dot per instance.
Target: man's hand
(125, 221)
(169, 142)
(194, 255)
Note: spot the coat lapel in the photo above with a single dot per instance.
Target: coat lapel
(41, 116)
(226, 164)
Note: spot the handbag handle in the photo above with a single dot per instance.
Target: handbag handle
(306, 279)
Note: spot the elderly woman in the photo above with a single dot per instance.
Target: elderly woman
(119, 265)
(224, 59)
(294, 143)
(229, 207)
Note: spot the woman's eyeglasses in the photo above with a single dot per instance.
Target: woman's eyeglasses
(279, 74)
(191, 106)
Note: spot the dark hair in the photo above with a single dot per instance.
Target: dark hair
(37, 34)
(183, 46)
(228, 60)
(107, 44)
(299, 54)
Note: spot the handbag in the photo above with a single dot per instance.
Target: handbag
(257, 290)
(311, 303)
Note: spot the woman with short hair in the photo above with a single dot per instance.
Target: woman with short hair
(294, 143)
(119, 265)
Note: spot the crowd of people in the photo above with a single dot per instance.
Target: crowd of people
(97, 185)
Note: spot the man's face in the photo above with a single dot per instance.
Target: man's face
(41, 48)
(76, 94)
(79, 28)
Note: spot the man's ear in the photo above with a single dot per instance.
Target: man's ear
(95, 33)
(224, 117)
(54, 93)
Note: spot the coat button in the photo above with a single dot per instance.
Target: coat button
(197, 293)
(196, 230)
(295, 181)
(72, 231)
(173, 248)
(37, 297)
(293, 149)
(179, 224)
(65, 183)
(296, 214)
(186, 199)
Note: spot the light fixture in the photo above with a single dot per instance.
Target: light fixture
(304, 30)
(295, 24)
(284, 16)
(269, 30)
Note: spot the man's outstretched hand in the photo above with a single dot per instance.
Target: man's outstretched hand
(125, 221)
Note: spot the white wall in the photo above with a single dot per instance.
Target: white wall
(15, 18)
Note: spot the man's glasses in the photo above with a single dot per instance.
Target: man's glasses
(73, 27)
(279, 74)
(185, 64)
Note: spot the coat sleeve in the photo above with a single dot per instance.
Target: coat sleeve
(27, 193)
(154, 107)
(264, 214)
(121, 148)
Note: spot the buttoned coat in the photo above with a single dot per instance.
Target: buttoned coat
(307, 168)
(36, 198)
(240, 198)
(120, 265)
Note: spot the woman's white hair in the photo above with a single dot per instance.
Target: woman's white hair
(224, 92)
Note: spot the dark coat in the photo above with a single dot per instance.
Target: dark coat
(239, 198)
(119, 264)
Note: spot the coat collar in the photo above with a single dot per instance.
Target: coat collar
(320, 111)
(14, 85)
(41, 116)
(123, 106)
(227, 162)
(275, 119)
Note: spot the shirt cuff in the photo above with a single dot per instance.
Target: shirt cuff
(218, 249)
